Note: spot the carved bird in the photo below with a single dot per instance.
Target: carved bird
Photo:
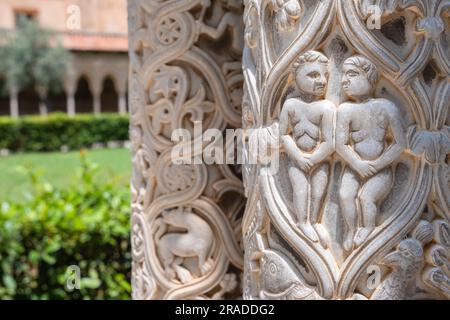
(405, 263)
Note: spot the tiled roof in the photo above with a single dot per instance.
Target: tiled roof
(95, 42)
(86, 41)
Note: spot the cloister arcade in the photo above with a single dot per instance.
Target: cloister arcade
(93, 83)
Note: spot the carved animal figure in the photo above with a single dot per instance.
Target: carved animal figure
(280, 281)
(405, 263)
(174, 246)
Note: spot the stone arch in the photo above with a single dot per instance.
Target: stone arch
(122, 88)
(109, 95)
(83, 95)
(4, 100)
(56, 101)
(126, 97)
(28, 101)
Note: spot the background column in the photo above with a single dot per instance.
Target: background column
(180, 83)
(13, 102)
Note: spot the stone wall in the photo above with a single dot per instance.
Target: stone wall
(97, 16)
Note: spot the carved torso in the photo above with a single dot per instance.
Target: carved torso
(306, 121)
(368, 127)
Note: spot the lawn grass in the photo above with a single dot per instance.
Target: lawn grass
(60, 169)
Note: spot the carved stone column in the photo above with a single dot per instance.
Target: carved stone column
(122, 104)
(186, 218)
(97, 108)
(70, 103)
(70, 87)
(360, 205)
(122, 101)
(43, 108)
(13, 102)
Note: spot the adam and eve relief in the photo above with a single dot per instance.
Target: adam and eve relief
(365, 134)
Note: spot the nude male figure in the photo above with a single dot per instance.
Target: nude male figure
(369, 137)
(306, 128)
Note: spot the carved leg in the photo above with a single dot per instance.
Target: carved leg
(203, 264)
(299, 183)
(319, 183)
(183, 274)
(372, 193)
(347, 194)
(167, 258)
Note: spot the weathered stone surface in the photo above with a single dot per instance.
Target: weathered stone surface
(360, 202)
(355, 100)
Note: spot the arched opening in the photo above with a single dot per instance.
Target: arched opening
(57, 101)
(126, 97)
(109, 96)
(4, 98)
(84, 102)
(28, 101)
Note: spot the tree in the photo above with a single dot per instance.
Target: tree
(33, 56)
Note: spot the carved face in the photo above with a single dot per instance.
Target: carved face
(312, 78)
(355, 82)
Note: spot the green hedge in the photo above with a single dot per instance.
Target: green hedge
(86, 225)
(37, 133)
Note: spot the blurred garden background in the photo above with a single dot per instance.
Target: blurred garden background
(65, 165)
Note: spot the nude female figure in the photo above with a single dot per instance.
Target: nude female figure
(370, 136)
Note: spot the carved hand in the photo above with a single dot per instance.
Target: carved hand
(304, 163)
(364, 169)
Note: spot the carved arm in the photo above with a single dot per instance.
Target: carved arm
(326, 147)
(229, 20)
(342, 142)
(399, 144)
(290, 146)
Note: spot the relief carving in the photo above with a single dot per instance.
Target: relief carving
(363, 168)
(359, 206)
(193, 241)
(186, 239)
(286, 13)
(364, 127)
(310, 118)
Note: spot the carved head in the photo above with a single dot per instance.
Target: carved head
(173, 217)
(277, 274)
(407, 257)
(311, 73)
(360, 77)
